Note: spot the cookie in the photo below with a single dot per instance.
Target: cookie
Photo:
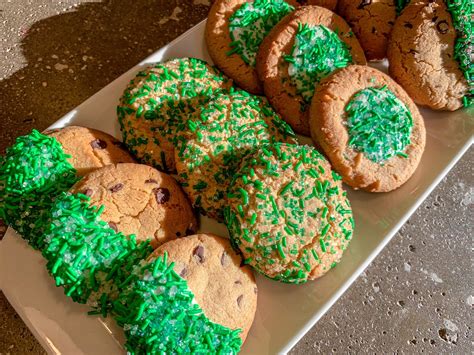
(32, 173)
(90, 149)
(219, 136)
(302, 49)
(328, 4)
(428, 59)
(159, 315)
(225, 290)
(234, 31)
(370, 130)
(288, 214)
(139, 200)
(156, 103)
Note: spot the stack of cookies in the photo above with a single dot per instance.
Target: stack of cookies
(118, 222)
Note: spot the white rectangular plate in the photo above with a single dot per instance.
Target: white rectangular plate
(285, 312)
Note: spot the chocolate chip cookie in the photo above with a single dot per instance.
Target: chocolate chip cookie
(301, 50)
(234, 31)
(370, 130)
(90, 149)
(222, 287)
(139, 200)
(425, 54)
(288, 214)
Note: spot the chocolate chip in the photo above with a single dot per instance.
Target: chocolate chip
(88, 192)
(178, 234)
(224, 259)
(363, 4)
(162, 195)
(199, 253)
(98, 144)
(183, 272)
(239, 300)
(190, 230)
(408, 25)
(151, 181)
(116, 187)
(434, 19)
(113, 226)
(238, 282)
(442, 27)
(374, 30)
(119, 144)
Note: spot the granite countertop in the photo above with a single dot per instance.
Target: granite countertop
(417, 296)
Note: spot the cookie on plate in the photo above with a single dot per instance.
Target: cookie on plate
(288, 214)
(372, 22)
(370, 130)
(90, 149)
(139, 200)
(219, 136)
(301, 50)
(328, 4)
(156, 103)
(430, 54)
(225, 290)
(234, 31)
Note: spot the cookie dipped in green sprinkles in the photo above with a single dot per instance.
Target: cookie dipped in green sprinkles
(85, 256)
(316, 53)
(379, 124)
(218, 137)
(288, 214)
(159, 315)
(155, 105)
(304, 48)
(462, 12)
(249, 25)
(32, 173)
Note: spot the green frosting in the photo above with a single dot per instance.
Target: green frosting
(159, 315)
(249, 25)
(379, 124)
(462, 13)
(316, 53)
(32, 173)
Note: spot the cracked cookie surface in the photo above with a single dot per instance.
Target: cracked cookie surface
(331, 128)
(90, 149)
(139, 200)
(421, 56)
(225, 289)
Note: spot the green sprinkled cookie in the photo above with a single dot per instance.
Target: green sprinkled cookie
(373, 134)
(298, 53)
(218, 137)
(32, 173)
(234, 31)
(159, 316)
(85, 256)
(430, 53)
(155, 105)
(288, 214)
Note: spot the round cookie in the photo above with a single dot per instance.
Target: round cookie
(219, 136)
(370, 130)
(422, 54)
(234, 31)
(301, 50)
(328, 4)
(139, 200)
(156, 103)
(90, 149)
(372, 22)
(222, 287)
(288, 214)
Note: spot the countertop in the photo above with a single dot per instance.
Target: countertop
(417, 296)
